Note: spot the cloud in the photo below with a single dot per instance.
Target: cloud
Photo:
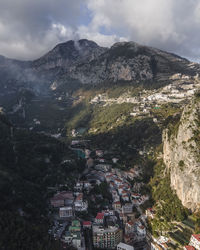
(166, 24)
(29, 29)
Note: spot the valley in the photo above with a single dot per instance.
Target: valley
(97, 141)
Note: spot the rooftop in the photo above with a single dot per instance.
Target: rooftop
(65, 208)
(87, 223)
(100, 229)
(100, 216)
(196, 236)
(189, 248)
(125, 246)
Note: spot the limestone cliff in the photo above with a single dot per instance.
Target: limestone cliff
(181, 148)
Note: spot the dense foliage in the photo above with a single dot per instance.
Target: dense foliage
(30, 163)
(168, 207)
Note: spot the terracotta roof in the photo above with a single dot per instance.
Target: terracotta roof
(62, 196)
(130, 223)
(87, 223)
(117, 202)
(196, 236)
(189, 248)
(100, 216)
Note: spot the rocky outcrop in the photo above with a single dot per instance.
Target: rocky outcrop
(181, 150)
(67, 55)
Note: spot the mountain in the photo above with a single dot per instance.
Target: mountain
(181, 148)
(131, 62)
(85, 62)
(67, 55)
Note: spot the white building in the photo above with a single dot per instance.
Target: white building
(123, 246)
(195, 241)
(65, 212)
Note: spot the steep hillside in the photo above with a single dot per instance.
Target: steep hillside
(30, 168)
(181, 148)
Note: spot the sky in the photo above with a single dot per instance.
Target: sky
(30, 28)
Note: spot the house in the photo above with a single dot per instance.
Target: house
(99, 218)
(128, 238)
(155, 246)
(125, 197)
(117, 205)
(87, 224)
(80, 206)
(195, 241)
(62, 198)
(68, 237)
(188, 248)
(115, 160)
(141, 231)
(76, 241)
(108, 212)
(123, 246)
(75, 226)
(107, 238)
(65, 212)
(150, 213)
(129, 227)
(99, 153)
(127, 208)
(135, 196)
(87, 153)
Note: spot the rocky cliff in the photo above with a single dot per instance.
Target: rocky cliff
(181, 148)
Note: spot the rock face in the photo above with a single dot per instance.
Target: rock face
(131, 62)
(67, 55)
(181, 150)
(84, 62)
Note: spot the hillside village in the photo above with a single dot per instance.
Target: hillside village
(105, 209)
(181, 89)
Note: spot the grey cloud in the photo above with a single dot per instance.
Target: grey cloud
(29, 28)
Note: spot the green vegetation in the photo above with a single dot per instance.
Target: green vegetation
(167, 205)
(110, 117)
(30, 163)
(172, 208)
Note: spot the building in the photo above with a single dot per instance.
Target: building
(123, 246)
(150, 213)
(99, 153)
(108, 237)
(99, 218)
(116, 205)
(65, 212)
(155, 246)
(87, 224)
(195, 241)
(76, 241)
(188, 248)
(129, 227)
(127, 208)
(62, 198)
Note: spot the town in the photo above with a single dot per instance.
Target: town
(180, 90)
(104, 209)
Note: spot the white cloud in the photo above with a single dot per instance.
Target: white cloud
(28, 29)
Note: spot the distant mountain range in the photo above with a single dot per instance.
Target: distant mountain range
(84, 62)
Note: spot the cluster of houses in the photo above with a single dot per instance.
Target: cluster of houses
(163, 243)
(182, 88)
(112, 226)
(194, 243)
